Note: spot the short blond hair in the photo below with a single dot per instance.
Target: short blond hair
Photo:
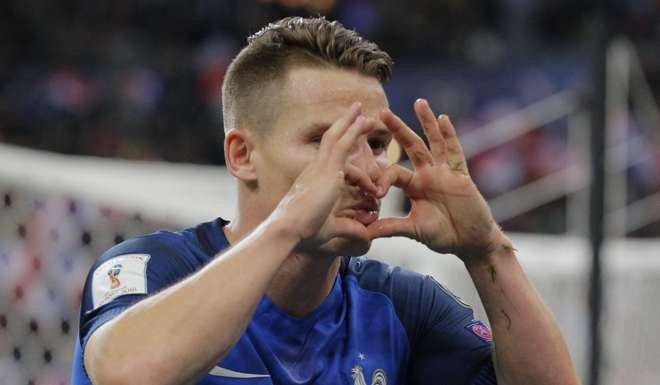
(259, 68)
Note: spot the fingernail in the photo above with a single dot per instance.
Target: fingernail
(420, 100)
(356, 105)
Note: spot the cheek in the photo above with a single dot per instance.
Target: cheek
(293, 162)
(282, 166)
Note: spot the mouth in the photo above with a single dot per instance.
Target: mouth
(365, 212)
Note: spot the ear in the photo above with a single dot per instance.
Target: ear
(239, 146)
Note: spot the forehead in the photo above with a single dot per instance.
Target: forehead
(321, 95)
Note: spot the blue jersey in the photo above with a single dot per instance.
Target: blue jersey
(379, 324)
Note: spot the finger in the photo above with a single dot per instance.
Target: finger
(391, 227)
(455, 155)
(357, 177)
(347, 227)
(339, 127)
(361, 126)
(412, 144)
(431, 129)
(396, 175)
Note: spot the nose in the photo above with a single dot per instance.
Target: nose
(363, 157)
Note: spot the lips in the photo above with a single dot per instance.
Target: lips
(365, 212)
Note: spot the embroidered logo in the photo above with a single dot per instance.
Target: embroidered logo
(122, 275)
(113, 273)
(480, 330)
(377, 378)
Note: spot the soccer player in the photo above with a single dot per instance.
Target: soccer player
(280, 295)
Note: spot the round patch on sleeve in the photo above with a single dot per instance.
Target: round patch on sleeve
(480, 330)
(121, 275)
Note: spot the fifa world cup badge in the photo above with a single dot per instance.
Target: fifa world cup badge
(121, 275)
(113, 274)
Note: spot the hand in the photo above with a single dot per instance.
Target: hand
(308, 205)
(448, 213)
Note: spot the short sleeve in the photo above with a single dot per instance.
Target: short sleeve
(451, 347)
(129, 272)
(447, 345)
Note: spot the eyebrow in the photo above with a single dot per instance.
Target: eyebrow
(318, 127)
(322, 127)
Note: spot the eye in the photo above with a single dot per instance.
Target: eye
(378, 145)
(316, 140)
(315, 135)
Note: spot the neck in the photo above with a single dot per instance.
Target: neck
(303, 281)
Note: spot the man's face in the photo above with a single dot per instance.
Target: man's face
(310, 101)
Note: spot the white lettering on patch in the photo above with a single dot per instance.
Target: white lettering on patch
(121, 275)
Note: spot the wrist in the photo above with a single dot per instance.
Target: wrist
(499, 246)
(280, 228)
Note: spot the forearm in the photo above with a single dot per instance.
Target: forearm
(529, 346)
(177, 335)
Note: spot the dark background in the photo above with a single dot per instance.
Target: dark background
(141, 79)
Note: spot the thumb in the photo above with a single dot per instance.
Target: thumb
(391, 227)
(345, 227)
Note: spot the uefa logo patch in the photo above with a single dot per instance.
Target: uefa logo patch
(480, 330)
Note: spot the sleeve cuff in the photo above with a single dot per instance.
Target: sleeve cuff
(98, 322)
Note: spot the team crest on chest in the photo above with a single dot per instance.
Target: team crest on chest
(377, 377)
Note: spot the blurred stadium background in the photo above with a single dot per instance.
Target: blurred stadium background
(111, 127)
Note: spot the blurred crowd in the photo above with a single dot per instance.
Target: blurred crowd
(141, 79)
